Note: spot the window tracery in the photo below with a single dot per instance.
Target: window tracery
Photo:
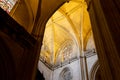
(7, 5)
(65, 52)
(66, 74)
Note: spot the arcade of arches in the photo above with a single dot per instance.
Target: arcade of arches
(59, 40)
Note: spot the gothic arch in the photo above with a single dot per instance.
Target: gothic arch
(24, 14)
(66, 47)
(87, 37)
(94, 70)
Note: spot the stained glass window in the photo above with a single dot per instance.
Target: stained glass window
(7, 5)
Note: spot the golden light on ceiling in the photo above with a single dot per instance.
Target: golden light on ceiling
(69, 23)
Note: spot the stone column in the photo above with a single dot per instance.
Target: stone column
(105, 21)
(83, 64)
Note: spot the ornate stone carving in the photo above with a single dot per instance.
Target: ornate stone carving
(65, 51)
(66, 74)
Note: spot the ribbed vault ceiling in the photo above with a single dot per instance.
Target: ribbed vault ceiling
(69, 23)
(68, 31)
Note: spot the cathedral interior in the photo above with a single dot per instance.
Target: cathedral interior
(59, 40)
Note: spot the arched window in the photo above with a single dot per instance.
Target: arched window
(7, 5)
